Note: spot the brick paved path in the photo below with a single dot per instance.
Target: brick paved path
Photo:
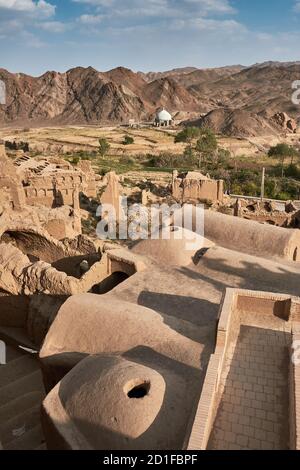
(253, 413)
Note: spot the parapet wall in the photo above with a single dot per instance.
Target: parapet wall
(260, 309)
(40, 276)
(294, 388)
(22, 282)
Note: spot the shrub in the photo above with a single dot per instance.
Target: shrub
(170, 160)
(187, 135)
(128, 140)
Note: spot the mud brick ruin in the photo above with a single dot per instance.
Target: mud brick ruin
(45, 189)
(194, 187)
(150, 345)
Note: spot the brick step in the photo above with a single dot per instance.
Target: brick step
(29, 383)
(18, 368)
(19, 425)
(21, 395)
(17, 406)
(30, 440)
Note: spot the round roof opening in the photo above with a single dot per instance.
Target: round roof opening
(137, 388)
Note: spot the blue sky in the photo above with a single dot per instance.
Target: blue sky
(40, 35)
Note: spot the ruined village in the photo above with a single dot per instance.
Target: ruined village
(147, 343)
(149, 232)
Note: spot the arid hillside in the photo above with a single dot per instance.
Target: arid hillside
(243, 123)
(87, 96)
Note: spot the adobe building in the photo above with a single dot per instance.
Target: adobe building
(118, 357)
(47, 182)
(130, 363)
(272, 212)
(196, 187)
(51, 182)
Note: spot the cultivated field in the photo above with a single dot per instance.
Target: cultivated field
(146, 140)
(69, 139)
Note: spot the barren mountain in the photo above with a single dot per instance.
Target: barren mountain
(151, 76)
(239, 123)
(171, 95)
(78, 96)
(258, 88)
(243, 123)
(85, 95)
(190, 75)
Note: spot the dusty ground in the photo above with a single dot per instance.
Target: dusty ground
(255, 145)
(147, 140)
(68, 139)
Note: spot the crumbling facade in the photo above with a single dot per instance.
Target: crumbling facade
(46, 182)
(47, 190)
(195, 187)
(279, 213)
(54, 187)
(12, 194)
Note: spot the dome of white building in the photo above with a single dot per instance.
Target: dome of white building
(163, 116)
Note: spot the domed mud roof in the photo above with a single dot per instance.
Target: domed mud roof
(178, 250)
(114, 403)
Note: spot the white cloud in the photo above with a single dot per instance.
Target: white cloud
(297, 7)
(53, 26)
(151, 15)
(264, 36)
(213, 6)
(205, 24)
(90, 19)
(31, 40)
(209, 25)
(19, 17)
(100, 3)
(10, 25)
(158, 8)
(41, 8)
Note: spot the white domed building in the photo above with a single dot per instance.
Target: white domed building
(163, 118)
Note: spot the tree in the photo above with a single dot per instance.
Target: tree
(188, 156)
(104, 147)
(206, 146)
(283, 151)
(188, 135)
(128, 140)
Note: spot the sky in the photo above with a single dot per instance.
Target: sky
(146, 35)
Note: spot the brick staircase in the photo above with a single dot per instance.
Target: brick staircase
(21, 394)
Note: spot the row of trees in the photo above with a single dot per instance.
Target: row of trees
(202, 147)
(283, 152)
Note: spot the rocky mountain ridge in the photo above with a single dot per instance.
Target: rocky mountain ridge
(87, 96)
